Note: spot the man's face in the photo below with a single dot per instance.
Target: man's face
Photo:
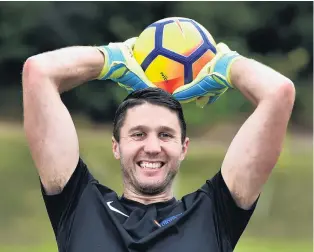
(150, 148)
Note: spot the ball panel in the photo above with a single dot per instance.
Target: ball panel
(208, 35)
(170, 85)
(144, 44)
(165, 73)
(201, 62)
(170, 19)
(181, 37)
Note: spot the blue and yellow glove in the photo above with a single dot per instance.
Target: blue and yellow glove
(121, 67)
(212, 81)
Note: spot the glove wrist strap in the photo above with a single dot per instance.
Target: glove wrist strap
(105, 69)
(224, 63)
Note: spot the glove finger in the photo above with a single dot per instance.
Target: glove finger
(220, 79)
(130, 42)
(132, 81)
(132, 64)
(124, 69)
(212, 99)
(205, 87)
(128, 89)
(202, 101)
(222, 48)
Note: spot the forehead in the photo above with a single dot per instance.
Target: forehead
(152, 116)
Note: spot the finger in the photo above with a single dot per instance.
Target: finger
(220, 79)
(128, 89)
(212, 99)
(132, 81)
(130, 42)
(222, 48)
(207, 86)
(135, 68)
(203, 101)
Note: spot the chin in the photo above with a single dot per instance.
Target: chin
(152, 182)
(150, 189)
(153, 188)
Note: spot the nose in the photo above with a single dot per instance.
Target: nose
(152, 145)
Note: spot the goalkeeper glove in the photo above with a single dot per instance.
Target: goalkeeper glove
(212, 81)
(121, 67)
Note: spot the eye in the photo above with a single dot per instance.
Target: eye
(138, 135)
(165, 135)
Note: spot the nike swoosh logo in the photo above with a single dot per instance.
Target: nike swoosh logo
(115, 209)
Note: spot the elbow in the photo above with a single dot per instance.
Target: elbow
(33, 71)
(284, 91)
(287, 92)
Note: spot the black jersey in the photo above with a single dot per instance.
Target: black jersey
(89, 217)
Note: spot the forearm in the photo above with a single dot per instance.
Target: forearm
(68, 67)
(258, 82)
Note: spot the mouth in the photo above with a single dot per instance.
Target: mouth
(150, 164)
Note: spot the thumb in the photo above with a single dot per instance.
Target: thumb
(222, 48)
(188, 92)
(130, 42)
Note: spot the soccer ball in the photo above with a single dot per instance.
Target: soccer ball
(172, 51)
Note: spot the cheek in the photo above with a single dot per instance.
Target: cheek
(128, 151)
(173, 151)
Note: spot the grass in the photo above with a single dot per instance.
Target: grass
(245, 245)
(250, 245)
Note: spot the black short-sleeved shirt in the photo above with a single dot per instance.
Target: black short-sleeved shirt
(89, 217)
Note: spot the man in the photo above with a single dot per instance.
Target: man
(150, 141)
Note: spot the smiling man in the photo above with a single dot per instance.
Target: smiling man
(149, 140)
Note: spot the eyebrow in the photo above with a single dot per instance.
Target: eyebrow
(145, 128)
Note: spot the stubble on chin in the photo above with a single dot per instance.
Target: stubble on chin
(130, 182)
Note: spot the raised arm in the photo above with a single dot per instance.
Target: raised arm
(255, 149)
(49, 129)
(48, 125)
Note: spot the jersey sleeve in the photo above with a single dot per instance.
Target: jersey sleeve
(232, 219)
(60, 205)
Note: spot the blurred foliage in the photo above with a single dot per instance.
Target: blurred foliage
(279, 34)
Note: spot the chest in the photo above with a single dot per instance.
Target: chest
(100, 225)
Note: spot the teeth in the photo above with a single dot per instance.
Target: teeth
(151, 165)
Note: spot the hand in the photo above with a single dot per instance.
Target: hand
(121, 66)
(212, 81)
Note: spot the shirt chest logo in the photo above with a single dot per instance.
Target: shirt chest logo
(170, 219)
(115, 209)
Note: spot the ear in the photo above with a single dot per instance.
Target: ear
(115, 148)
(185, 147)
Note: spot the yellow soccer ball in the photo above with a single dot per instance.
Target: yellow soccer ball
(172, 51)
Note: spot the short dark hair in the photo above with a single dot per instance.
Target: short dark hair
(154, 96)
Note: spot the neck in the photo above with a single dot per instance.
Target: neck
(147, 199)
